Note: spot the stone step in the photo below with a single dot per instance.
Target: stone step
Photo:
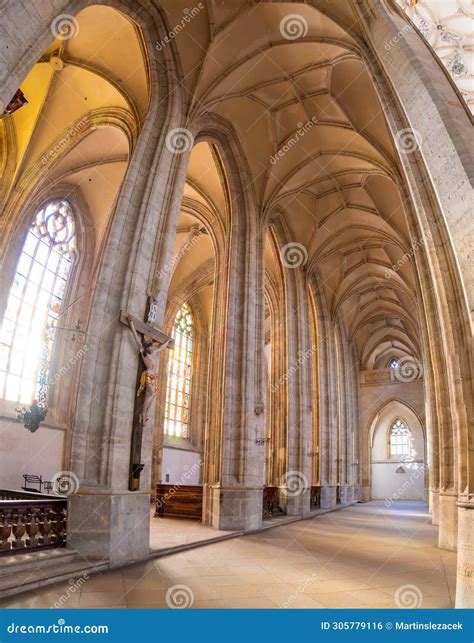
(47, 573)
(24, 562)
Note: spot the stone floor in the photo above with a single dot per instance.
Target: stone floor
(362, 556)
(170, 532)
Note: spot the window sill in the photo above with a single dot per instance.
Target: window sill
(184, 444)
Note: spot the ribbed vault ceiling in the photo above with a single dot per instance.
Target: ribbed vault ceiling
(319, 150)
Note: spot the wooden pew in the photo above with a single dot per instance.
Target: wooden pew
(179, 501)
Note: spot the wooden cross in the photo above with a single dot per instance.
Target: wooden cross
(151, 342)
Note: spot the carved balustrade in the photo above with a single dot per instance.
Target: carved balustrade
(31, 523)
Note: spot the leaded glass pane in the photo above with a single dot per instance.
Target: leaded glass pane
(35, 298)
(179, 376)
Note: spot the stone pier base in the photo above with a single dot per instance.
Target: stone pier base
(234, 508)
(298, 504)
(433, 504)
(465, 561)
(346, 494)
(113, 527)
(448, 519)
(328, 497)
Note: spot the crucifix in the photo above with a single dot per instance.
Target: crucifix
(150, 343)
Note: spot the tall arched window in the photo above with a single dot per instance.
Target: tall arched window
(34, 303)
(179, 376)
(400, 439)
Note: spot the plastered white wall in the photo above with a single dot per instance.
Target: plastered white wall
(39, 453)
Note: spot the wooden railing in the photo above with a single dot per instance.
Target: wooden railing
(31, 522)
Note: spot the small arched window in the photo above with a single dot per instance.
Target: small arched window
(35, 303)
(400, 440)
(178, 390)
(393, 363)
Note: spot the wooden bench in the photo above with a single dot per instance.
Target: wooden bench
(179, 501)
(32, 479)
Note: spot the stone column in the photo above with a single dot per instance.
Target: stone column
(327, 399)
(236, 440)
(438, 213)
(295, 484)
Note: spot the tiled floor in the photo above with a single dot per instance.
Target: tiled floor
(169, 532)
(362, 556)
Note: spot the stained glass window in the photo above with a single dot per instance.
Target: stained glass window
(179, 375)
(400, 439)
(34, 304)
(393, 363)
